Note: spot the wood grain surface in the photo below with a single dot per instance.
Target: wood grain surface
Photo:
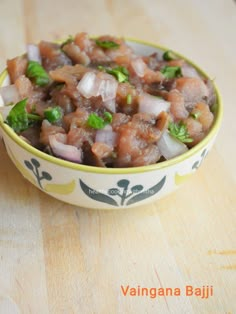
(56, 258)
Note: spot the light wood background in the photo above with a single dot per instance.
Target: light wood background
(56, 258)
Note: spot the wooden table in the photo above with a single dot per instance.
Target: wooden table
(56, 258)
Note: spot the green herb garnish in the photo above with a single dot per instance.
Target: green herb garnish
(19, 119)
(102, 68)
(120, 73)
(195, 115)
(69, 40)
(53, 114)
(37, 73)
(107, 117)
(106, 44)
(129, 99)
(33, 108)
(96, 122)
(180, 132)
(169, 55)
(214, 108)
(171, 72)
(59, 86)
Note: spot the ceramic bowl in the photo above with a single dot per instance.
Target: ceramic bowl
(104, 188)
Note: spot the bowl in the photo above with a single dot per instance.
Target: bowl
(108, 188)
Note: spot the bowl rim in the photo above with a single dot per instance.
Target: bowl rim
(132, 170)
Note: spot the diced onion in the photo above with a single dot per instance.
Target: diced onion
(170, 147)
(1, 101)
(139, 66)
(88, 86)
(152, 104)
(110, 105)
(6, 81)
(108, 89)
(211, 93)
(106, 136)
(189, 71)
(84, 58)
(4, 111)
(33, 53)
(9, 94)
(101, 84)
(60, 149)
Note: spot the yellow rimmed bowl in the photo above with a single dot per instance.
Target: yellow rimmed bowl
(107, 188)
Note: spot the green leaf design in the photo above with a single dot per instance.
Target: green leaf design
(45, 175)
(204, 153)
(97, 196)
(137, 188)
(34, 165)
(28, 165)
(123, 183)
(197, 163)
(148, 193)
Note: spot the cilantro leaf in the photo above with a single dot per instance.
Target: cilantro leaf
(171, 72)
(169, 55)
(180, 132)
(195, 115)
(69, 40)
(53, 114)
(107, 117)
(129, 99)
(19, 119)
(37, 73)
(106, 44)
(120, 73)
(96, 122)
(102, 68)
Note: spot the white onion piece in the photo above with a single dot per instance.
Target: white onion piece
(84, 58)
(1, 102)
(110, 105)
(9, 94)
(89, 85)
(107, 127)
(60, 149)
(101, 84)
(139, 66)
(211, 93)
(189, 71)
(108, 89)
(33, 53)
(4, 111)
(152, 104)
(6, 81)
(170, 147)
(106, 136)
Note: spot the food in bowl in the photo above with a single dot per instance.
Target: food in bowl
(98, 102)
(105, 186)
